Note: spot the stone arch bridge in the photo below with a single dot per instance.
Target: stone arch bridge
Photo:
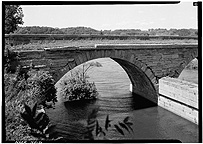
(144, 63)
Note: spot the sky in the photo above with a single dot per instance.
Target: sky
(111, 17)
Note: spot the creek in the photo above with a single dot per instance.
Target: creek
(149, 121)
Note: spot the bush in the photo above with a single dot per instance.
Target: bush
(77, 87)
(10, 60)
(24, 87)
(15, 97)
(42, 86)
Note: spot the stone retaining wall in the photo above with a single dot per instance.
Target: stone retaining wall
(179, 97)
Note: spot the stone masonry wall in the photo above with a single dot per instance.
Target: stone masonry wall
(153, 60)
(179, 97)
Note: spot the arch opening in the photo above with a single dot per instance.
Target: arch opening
(186, 60)
(141, 83)
(190, 72)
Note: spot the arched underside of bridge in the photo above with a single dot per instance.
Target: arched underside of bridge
(142, 85)
(142, 78)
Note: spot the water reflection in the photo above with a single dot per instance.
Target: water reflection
(139, 102)
(149, 120)
(80, 110)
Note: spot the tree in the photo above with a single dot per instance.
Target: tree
(13, 17)
(184, 32)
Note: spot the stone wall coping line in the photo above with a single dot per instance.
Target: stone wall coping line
(28, 51)
(116, 46)
(144, 44)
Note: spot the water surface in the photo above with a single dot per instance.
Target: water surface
(115, 99)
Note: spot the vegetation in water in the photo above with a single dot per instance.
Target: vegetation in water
(77, 86)
(97, 132)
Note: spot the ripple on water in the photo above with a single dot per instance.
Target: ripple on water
(149, 120)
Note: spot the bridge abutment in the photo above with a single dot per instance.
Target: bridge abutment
(179, 97)
(141, 84)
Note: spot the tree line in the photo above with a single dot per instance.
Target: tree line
(14, 15)
(91, 31)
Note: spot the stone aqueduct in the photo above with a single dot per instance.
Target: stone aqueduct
(144, 63)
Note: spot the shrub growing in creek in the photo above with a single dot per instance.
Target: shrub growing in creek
(77, 87)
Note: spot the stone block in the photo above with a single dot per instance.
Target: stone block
(77, 61)
(102, 53)
(113, 53)
(144, 67)
(108, 53)
(137, 63)
(81, 58)
(84, 57)
(88, 55)
(149, 73)
(179, 109)
(122, 54)
(132, 58)
(180, 90)
(152, 63)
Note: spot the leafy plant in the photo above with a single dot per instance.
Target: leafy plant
(38, 122)
(13, 17)
(43, 84)
(10, 60)
(77, 87)
(93, 124)
(18, 90)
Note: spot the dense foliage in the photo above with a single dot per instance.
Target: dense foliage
(10, 60)
(23, 86)
(90, 31)
(43, 87)
(77, 87)
(13, 17)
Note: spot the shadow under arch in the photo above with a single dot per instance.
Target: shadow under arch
(142, 85)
